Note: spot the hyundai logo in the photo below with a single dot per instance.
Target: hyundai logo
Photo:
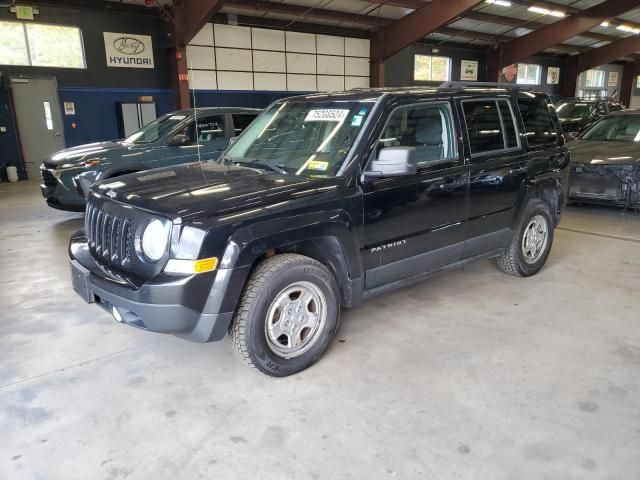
(128, 45)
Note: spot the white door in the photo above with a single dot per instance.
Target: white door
(39, 120)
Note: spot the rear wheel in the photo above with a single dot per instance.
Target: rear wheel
(287, 316)
(531, 244)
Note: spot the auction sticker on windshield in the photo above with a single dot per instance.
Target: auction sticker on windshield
(327, 115)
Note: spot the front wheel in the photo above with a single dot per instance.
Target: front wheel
(528, 251)
(287, 315)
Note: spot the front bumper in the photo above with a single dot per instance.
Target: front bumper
(60, 191)
(605, 184)
(191, 306)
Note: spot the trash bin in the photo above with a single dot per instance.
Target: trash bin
(12, 173)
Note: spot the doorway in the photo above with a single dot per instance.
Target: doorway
(39, 120)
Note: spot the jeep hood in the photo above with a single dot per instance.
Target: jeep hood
(604, 153)
(197, 191)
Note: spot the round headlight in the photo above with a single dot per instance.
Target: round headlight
(154, 240)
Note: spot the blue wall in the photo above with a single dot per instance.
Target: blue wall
(237, 98)
(95, 108)
(9, 150)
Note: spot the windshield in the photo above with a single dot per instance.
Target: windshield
(307, 138)
(618, 128)
(155, 130)
(574, 109)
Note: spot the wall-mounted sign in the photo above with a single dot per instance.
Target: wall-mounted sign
(128, 51)
(468, 70)
(613, 79)
(69, 108)
(145, 98)
(509, 74)
(553, 75)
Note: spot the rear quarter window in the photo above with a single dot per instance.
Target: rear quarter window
(538, 121)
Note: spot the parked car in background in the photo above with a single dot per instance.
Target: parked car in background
(179, 137)
(605, 162)
(324, 201)
(576, 114)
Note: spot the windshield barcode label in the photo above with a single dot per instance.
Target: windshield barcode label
(327, 115)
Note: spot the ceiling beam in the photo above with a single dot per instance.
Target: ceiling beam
(531, 25)
(304, 27)
(307, 12)
(562, 30)
(191, 15)
(613, 51)
(496, 39)
(413, 27)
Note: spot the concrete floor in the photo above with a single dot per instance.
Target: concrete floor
(470, 375)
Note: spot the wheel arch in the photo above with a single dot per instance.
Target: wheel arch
(327, 237)
(547, 188)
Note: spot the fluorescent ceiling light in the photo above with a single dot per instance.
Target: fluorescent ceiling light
(500, 3)
(628, 28)
(546, 11)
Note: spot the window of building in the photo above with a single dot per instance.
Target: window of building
(41, 45)
(490, 126)
(429, 129)
(528, 74)
(538, 123)
(594, 78)
(428, 68)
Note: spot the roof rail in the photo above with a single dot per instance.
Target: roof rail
(487, 84)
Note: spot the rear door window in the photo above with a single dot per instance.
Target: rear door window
(539, 126)
(490, 126)
(242, 121)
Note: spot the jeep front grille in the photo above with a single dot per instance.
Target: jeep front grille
(109, 236)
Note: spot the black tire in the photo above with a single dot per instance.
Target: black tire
(513, 260)
(271, 277)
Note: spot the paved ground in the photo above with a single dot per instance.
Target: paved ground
(470, 375)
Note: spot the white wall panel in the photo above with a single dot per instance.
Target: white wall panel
(269, 61)
(301, 83)
(356, 82)
(301, 42)
(203, 58)
(330, 45)
(202, 80)
(301, 63)
(232, 36)
(270, 81)
(357, 66)
(204, 36)
(231, 59)
(264, 39)
(330, 65)
(330, 83)
(235, 80)
(356, 47)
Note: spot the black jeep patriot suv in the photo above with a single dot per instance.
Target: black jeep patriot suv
(323, 201)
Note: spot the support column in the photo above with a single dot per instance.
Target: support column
(376, 64)
(569, 77)
(493, 64)
(629, 74)
(180, 74)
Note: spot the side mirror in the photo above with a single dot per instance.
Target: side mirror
(571, 136)
(179, 140)
(393, 162)
(232, 140)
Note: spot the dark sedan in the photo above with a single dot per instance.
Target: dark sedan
(605, 162)
(179, 137)
(576, 115)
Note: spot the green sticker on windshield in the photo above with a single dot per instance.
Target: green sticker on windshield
(357, 120)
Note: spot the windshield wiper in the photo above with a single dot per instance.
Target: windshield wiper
(257, 163)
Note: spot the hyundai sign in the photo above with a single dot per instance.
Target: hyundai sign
(128, 51)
